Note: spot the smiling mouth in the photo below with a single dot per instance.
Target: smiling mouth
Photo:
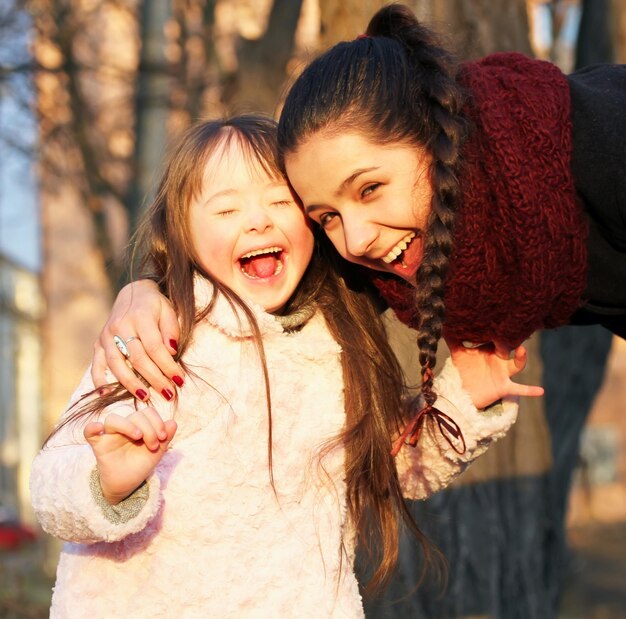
(262, 263)
(395, 254)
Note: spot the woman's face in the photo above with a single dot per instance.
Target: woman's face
(371, 199)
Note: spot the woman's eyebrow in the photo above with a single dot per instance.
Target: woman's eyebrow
(354, 176)
(342, 186)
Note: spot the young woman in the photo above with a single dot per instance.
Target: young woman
(247, 493)
(491, 195)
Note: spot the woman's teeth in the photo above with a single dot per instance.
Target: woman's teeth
(398, 249)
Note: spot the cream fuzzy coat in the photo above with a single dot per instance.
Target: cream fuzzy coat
(213, 539)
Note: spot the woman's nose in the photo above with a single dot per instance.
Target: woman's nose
(360, 236)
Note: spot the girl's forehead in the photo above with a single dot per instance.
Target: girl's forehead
(234, 157)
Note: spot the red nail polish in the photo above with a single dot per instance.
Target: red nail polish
(141, 394)
(178, 381)
(167, 394)
(174, 345)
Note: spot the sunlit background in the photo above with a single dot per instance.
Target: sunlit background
(91, 94)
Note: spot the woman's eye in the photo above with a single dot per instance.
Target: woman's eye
(282, 203)
(326, 219)
(366, 191)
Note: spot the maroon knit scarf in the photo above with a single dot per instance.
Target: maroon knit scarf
(519, 256)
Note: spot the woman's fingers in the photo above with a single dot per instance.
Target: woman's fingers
(150, 358)
(526, 390)
(98, 366)
(150, 332)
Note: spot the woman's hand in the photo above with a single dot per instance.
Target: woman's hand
(127, 449)
(486, 374)
(140, 312)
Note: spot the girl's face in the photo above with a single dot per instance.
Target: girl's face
(248, 231)
(372, 199)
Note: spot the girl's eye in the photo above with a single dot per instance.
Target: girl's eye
(225, 212)
(366, 191)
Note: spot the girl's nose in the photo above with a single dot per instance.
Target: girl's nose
(360, 236)
(258, 219)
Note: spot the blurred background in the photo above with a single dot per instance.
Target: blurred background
(92, 93)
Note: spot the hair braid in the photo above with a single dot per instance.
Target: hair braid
(440, 97)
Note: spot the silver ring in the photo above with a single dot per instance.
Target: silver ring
(121, 346)
(131, 338)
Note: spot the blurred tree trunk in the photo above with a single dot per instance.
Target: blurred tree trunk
(262, 63)
(618, 10)
(602, 36)
(595, 43)
(343, 21)
(480, 27)
(152, 106)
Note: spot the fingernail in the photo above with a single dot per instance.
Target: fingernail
(167, 394)
(141, 394)
(178, 380)
(174, 345)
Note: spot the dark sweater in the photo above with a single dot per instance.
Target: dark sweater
(540, 231)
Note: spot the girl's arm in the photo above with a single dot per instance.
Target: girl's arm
(140, 311)
(80, 476)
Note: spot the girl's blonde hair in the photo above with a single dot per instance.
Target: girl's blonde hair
(373, 382)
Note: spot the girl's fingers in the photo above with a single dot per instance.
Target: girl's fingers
(92, 429)
(117, 424)
(155, 421)
(146, 421)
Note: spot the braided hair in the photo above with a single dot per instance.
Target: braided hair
(395, 84)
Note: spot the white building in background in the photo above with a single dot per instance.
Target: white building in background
(21, 310)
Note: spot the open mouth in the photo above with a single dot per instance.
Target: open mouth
(262, 263)
(396, 253)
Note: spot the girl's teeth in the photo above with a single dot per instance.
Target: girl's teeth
(258, 252)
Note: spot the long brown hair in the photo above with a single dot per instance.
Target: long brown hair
(397, 84)
(373, 383)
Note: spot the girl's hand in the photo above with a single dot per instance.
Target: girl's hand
(139, 311)
(486, 375)
(127, 449)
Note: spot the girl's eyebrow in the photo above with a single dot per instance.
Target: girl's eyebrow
(219, 194)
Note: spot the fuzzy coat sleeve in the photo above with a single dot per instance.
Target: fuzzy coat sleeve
(61, 485)
(433, 464)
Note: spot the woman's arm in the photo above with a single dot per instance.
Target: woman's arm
(434, 462)
(141, 312)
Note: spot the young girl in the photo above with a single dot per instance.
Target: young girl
(246, 494)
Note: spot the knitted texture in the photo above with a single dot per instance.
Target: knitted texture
(519, 255)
